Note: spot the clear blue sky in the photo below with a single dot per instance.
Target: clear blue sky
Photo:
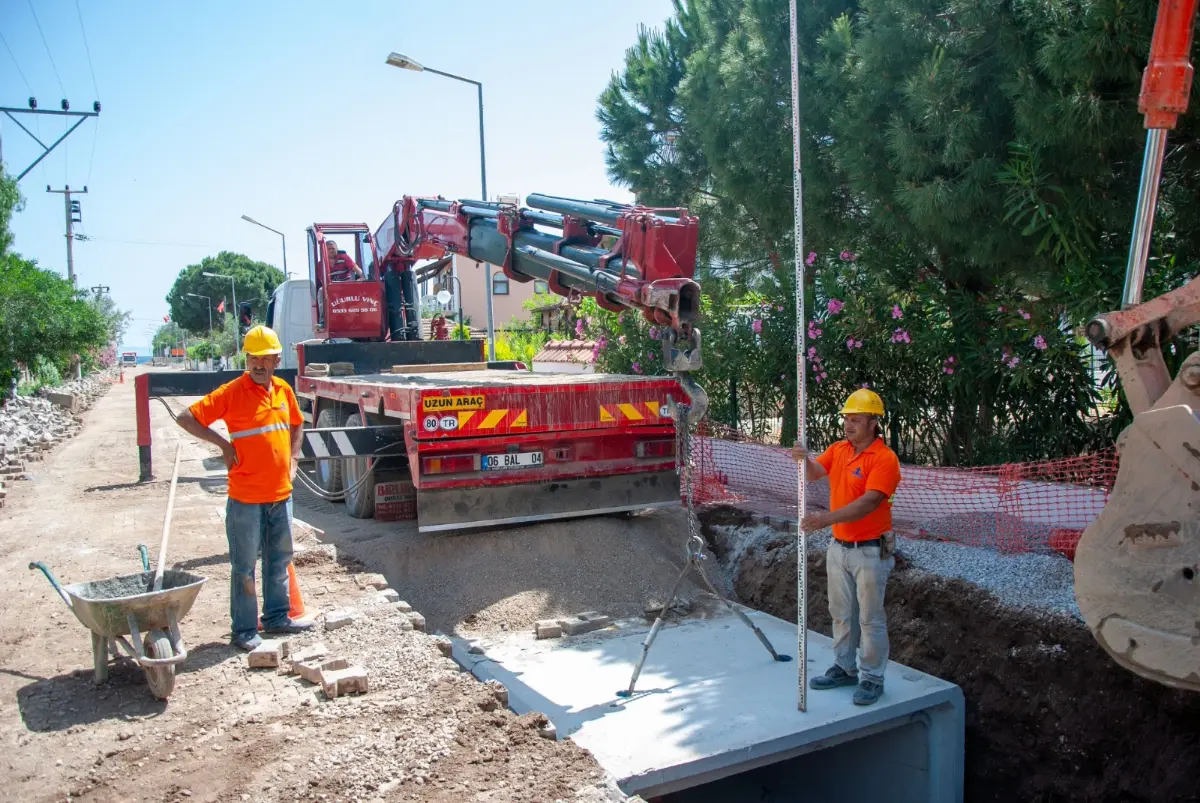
(286, 112)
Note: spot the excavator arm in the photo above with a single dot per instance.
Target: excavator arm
(1136, 566)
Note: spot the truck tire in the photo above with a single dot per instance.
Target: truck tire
(329, 472)
(359, 480)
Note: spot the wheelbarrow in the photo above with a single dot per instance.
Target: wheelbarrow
(128, 606)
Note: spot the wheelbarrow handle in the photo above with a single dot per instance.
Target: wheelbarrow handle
(37, 564)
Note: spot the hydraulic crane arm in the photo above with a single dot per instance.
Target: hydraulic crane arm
(626, 257)
(1136, 565)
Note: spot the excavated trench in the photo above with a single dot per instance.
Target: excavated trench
(1049, 716)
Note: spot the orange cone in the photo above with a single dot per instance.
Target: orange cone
(297, 601)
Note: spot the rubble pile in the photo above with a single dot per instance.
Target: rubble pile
(30, 425)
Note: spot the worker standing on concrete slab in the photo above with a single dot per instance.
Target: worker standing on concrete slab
(262, 455)
(863, 476)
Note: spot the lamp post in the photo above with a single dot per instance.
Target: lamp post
(405, 63)
(282, 236)
(233, 290)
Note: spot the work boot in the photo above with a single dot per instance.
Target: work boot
(290, 626)
(246, 644)
(867, 692)
(834, 677)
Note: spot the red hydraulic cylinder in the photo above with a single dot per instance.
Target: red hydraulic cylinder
(1167, 81)
(141, 396)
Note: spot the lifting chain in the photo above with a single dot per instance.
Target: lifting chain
(693, 548)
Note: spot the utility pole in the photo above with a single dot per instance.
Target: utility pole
(73, 216)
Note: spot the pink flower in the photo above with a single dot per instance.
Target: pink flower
(1039, 343)
(897, 313)
(822, 376)
(1012, 363)
(654, 333)
(622, 340)
(1023, 314)
(948, 370)
(579, 328)
(865, 385)
(813, 332)
(847, 256)
(756, 326)
(901, 336)
(835, 306)
(999, 309)
(812, 352)
(637, 368)
(852, 344)
(595, 352)
(948, 365)
(779, 309)
(811, 258)
(602, 343)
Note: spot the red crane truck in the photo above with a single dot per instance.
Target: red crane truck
(479, 443)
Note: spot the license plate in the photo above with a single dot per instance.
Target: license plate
(499, 462)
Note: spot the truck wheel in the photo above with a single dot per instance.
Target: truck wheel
(359, 480)
(329, 472)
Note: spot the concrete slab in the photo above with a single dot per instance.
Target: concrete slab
(711, 705)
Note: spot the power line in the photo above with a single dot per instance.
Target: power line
(47, 46)
(150, 242)
(15, 64)
(87, 50)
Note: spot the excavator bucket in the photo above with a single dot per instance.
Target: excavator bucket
(1136, 566)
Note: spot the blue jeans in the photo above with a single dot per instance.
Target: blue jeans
(249, 529)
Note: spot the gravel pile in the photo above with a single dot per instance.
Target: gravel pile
(1025, 580)
(1030, 581)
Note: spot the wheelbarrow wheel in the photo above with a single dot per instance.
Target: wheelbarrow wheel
(160, 679)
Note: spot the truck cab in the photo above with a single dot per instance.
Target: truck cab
(290, 314)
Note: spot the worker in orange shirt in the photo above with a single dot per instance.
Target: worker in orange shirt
(262, 455)
(863, 475)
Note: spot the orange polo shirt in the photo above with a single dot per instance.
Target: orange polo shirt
(259, 420)
(851, 476)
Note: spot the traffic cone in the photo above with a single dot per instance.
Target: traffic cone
(297, 601)
(296, 611)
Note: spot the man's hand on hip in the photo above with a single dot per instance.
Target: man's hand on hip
(230, 455)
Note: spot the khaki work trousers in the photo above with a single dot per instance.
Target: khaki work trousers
(857, 581)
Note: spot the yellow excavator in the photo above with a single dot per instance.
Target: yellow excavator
(1137, 565)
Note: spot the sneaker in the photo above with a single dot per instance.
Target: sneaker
(834, 677)
(290, 626)
(246, 644)
(867, 692)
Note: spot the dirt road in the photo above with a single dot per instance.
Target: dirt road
(425, 730)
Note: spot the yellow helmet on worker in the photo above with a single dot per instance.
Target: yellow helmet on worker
(262, 341)
(863, 401)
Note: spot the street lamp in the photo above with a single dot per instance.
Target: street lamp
(233, 289)
(406, 63)
(249, 219)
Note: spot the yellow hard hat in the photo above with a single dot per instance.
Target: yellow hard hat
(863, 401)
(261, 341)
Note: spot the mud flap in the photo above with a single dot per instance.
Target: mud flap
(441, 510)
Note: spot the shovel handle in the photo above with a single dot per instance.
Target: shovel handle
(166, 521)
(37, 564)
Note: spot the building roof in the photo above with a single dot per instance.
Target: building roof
(579, 351)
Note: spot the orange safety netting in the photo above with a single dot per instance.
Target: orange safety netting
(1039, 506)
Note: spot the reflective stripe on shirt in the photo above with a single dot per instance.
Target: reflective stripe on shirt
(246, 433)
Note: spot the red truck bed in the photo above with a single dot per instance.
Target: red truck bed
(497, 446)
